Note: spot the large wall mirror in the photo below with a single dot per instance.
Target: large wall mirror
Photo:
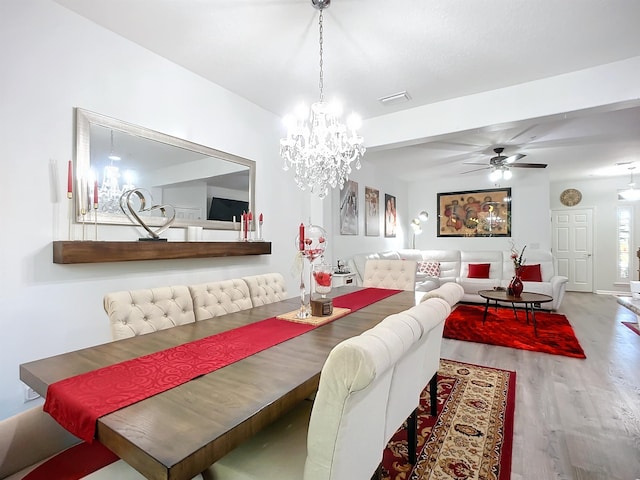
(206, 187)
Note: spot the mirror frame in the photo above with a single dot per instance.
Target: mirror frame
(85, 119)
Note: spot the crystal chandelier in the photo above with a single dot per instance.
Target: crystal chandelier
(110, 190)
(318, 146)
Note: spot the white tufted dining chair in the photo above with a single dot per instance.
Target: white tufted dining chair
(33, 439)
(136, 312)
(392, 274)
(266, 288)
(406, 385)
(219, 298)
(340, 437)
(431, 316)
(420, 329)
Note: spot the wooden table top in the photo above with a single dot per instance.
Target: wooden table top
(179, 433)
(525, 297)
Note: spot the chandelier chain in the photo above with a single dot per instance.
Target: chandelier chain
(321, 83)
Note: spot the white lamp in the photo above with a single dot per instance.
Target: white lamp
(416, 227)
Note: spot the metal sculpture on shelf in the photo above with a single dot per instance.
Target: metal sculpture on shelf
(137, 203)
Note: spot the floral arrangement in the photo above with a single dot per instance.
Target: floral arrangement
(517, 257)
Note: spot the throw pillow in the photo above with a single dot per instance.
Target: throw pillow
(431, 269)
(479, 270)
(530, 273)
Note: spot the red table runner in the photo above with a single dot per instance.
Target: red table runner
(77, 402)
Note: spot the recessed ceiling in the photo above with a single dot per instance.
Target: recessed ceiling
(267, 52)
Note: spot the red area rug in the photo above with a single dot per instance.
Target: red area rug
(555, 334)
(472, 435)
(633, 327)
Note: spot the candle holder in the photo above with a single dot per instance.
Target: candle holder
(260, 239)
(70, 215)
(95, 220)
(83, 212)
(311, 242)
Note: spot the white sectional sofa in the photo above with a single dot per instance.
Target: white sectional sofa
(454, 267)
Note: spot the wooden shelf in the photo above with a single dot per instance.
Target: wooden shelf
(100, 252)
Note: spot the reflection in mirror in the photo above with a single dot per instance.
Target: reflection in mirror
(206, 187)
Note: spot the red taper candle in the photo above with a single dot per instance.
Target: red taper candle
(70, 180)
(95, 194)
(301, 235)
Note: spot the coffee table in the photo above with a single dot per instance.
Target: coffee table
(529, 300)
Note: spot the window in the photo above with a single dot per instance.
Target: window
(625, 240)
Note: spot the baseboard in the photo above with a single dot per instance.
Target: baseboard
(613, 292)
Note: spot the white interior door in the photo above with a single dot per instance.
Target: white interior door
(573, 247)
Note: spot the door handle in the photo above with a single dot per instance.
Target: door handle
(587, 255)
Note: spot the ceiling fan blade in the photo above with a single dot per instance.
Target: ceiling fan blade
(528, 165)
(512, 158)
(474, 163)
(474, 170)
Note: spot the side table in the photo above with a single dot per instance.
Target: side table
(342, 279)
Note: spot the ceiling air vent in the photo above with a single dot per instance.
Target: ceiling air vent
(399, 97)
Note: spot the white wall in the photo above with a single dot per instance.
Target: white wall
(530, 223)
(345, 246)
(601, 195)
(52, 61)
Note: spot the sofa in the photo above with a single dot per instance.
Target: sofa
(436, 267)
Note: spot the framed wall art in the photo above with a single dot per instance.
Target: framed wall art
(371, 212)
(389, 215)
(349, 208)
(475, 213)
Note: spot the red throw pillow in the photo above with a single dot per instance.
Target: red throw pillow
(479, 270)
(530, 273)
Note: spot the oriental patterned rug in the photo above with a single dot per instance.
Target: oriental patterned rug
(555, 333)
(471, 437)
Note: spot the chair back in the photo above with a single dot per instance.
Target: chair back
(431, 315)
(219, 298)
(451, 292)
(266, 288)
(136, 312)
(28, 438)
(406, 381)
(346, 430)
(392, 274)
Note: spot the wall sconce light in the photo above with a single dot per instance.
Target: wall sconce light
(631, 193)
(416, 226)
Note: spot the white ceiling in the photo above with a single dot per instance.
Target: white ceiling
(267, 52)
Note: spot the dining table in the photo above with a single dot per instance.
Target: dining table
(178, 433)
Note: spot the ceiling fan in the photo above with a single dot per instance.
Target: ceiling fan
(503, 162)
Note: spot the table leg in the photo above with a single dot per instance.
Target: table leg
(533, 317)
(486, 307)
(526, 311)
(515, 314)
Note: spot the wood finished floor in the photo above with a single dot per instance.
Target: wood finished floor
(574, 419)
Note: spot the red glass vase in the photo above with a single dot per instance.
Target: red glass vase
(516, 286)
